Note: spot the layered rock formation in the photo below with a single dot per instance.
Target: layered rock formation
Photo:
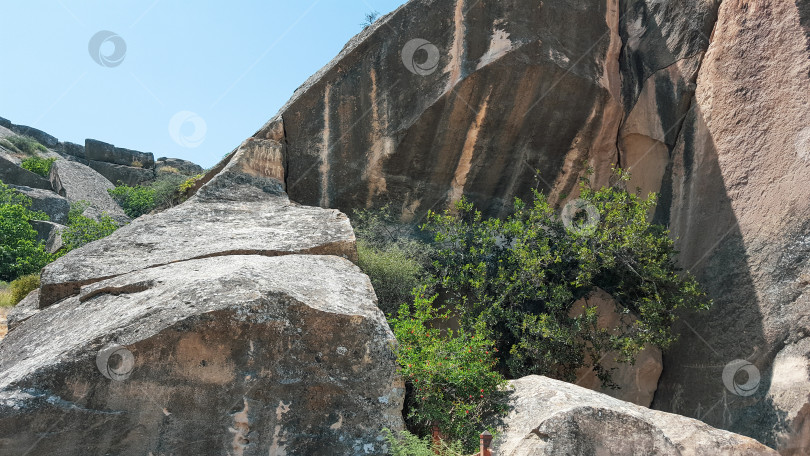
(550, 417)
(231, 324)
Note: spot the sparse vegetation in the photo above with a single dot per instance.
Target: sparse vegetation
(38, 165)
(136, 164)
(165, 192)
(168, 170)
(189, 183)
(82, 230)
(370, 18)
(26, 144)
(406, 444)
(19, 288)
(395, 260)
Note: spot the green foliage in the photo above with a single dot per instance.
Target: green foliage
(26, 144)
(82, 230)
(41, 166)
(450, 372)
(395, 261)
(189, 183)
(167, 190)
(521, 276)
(406, 444)
(135, 201)
(19, 288)
(20, 253)
(370, 18)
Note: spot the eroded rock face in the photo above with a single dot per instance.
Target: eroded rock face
(550, 417)
(741, 210)
(240, 354)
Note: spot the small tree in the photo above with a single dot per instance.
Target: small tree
(522, 275)
(20, 252)
(450, 374)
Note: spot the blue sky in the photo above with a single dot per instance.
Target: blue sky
(233, 64)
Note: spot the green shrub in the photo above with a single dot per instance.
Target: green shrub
(450, 374)
(406, 444)
(41, 166)
(82, 230)
(20, 252)
(26, 144)
(19, 288)
(189, 183)
(394, 259)
(166, 190)
(522, 275)
(135, 201)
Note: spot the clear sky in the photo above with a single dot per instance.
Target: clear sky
(220, 69)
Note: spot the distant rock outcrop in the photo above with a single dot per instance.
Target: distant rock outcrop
(49, 202)
(553, 418)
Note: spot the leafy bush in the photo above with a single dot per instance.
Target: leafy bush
(407, 444)
(41, 166)
(166, 190)
(26, 144)
(161, 194)
(522, 275)
(82, 230)
(450, 374)
(135, 201)
(396, 261)
(19, 288)
(20, 252)
(189, 183)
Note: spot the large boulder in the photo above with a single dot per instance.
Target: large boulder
(239, 354)
(549, 417)
(55, 206)
(100, 151)
(241, 211)
(740, 207)
(490, 100)
(77, 182)
(122, 174)
(182, 166)
(50, 233)
(13, 174)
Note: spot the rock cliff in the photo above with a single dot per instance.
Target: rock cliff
(706, 103)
